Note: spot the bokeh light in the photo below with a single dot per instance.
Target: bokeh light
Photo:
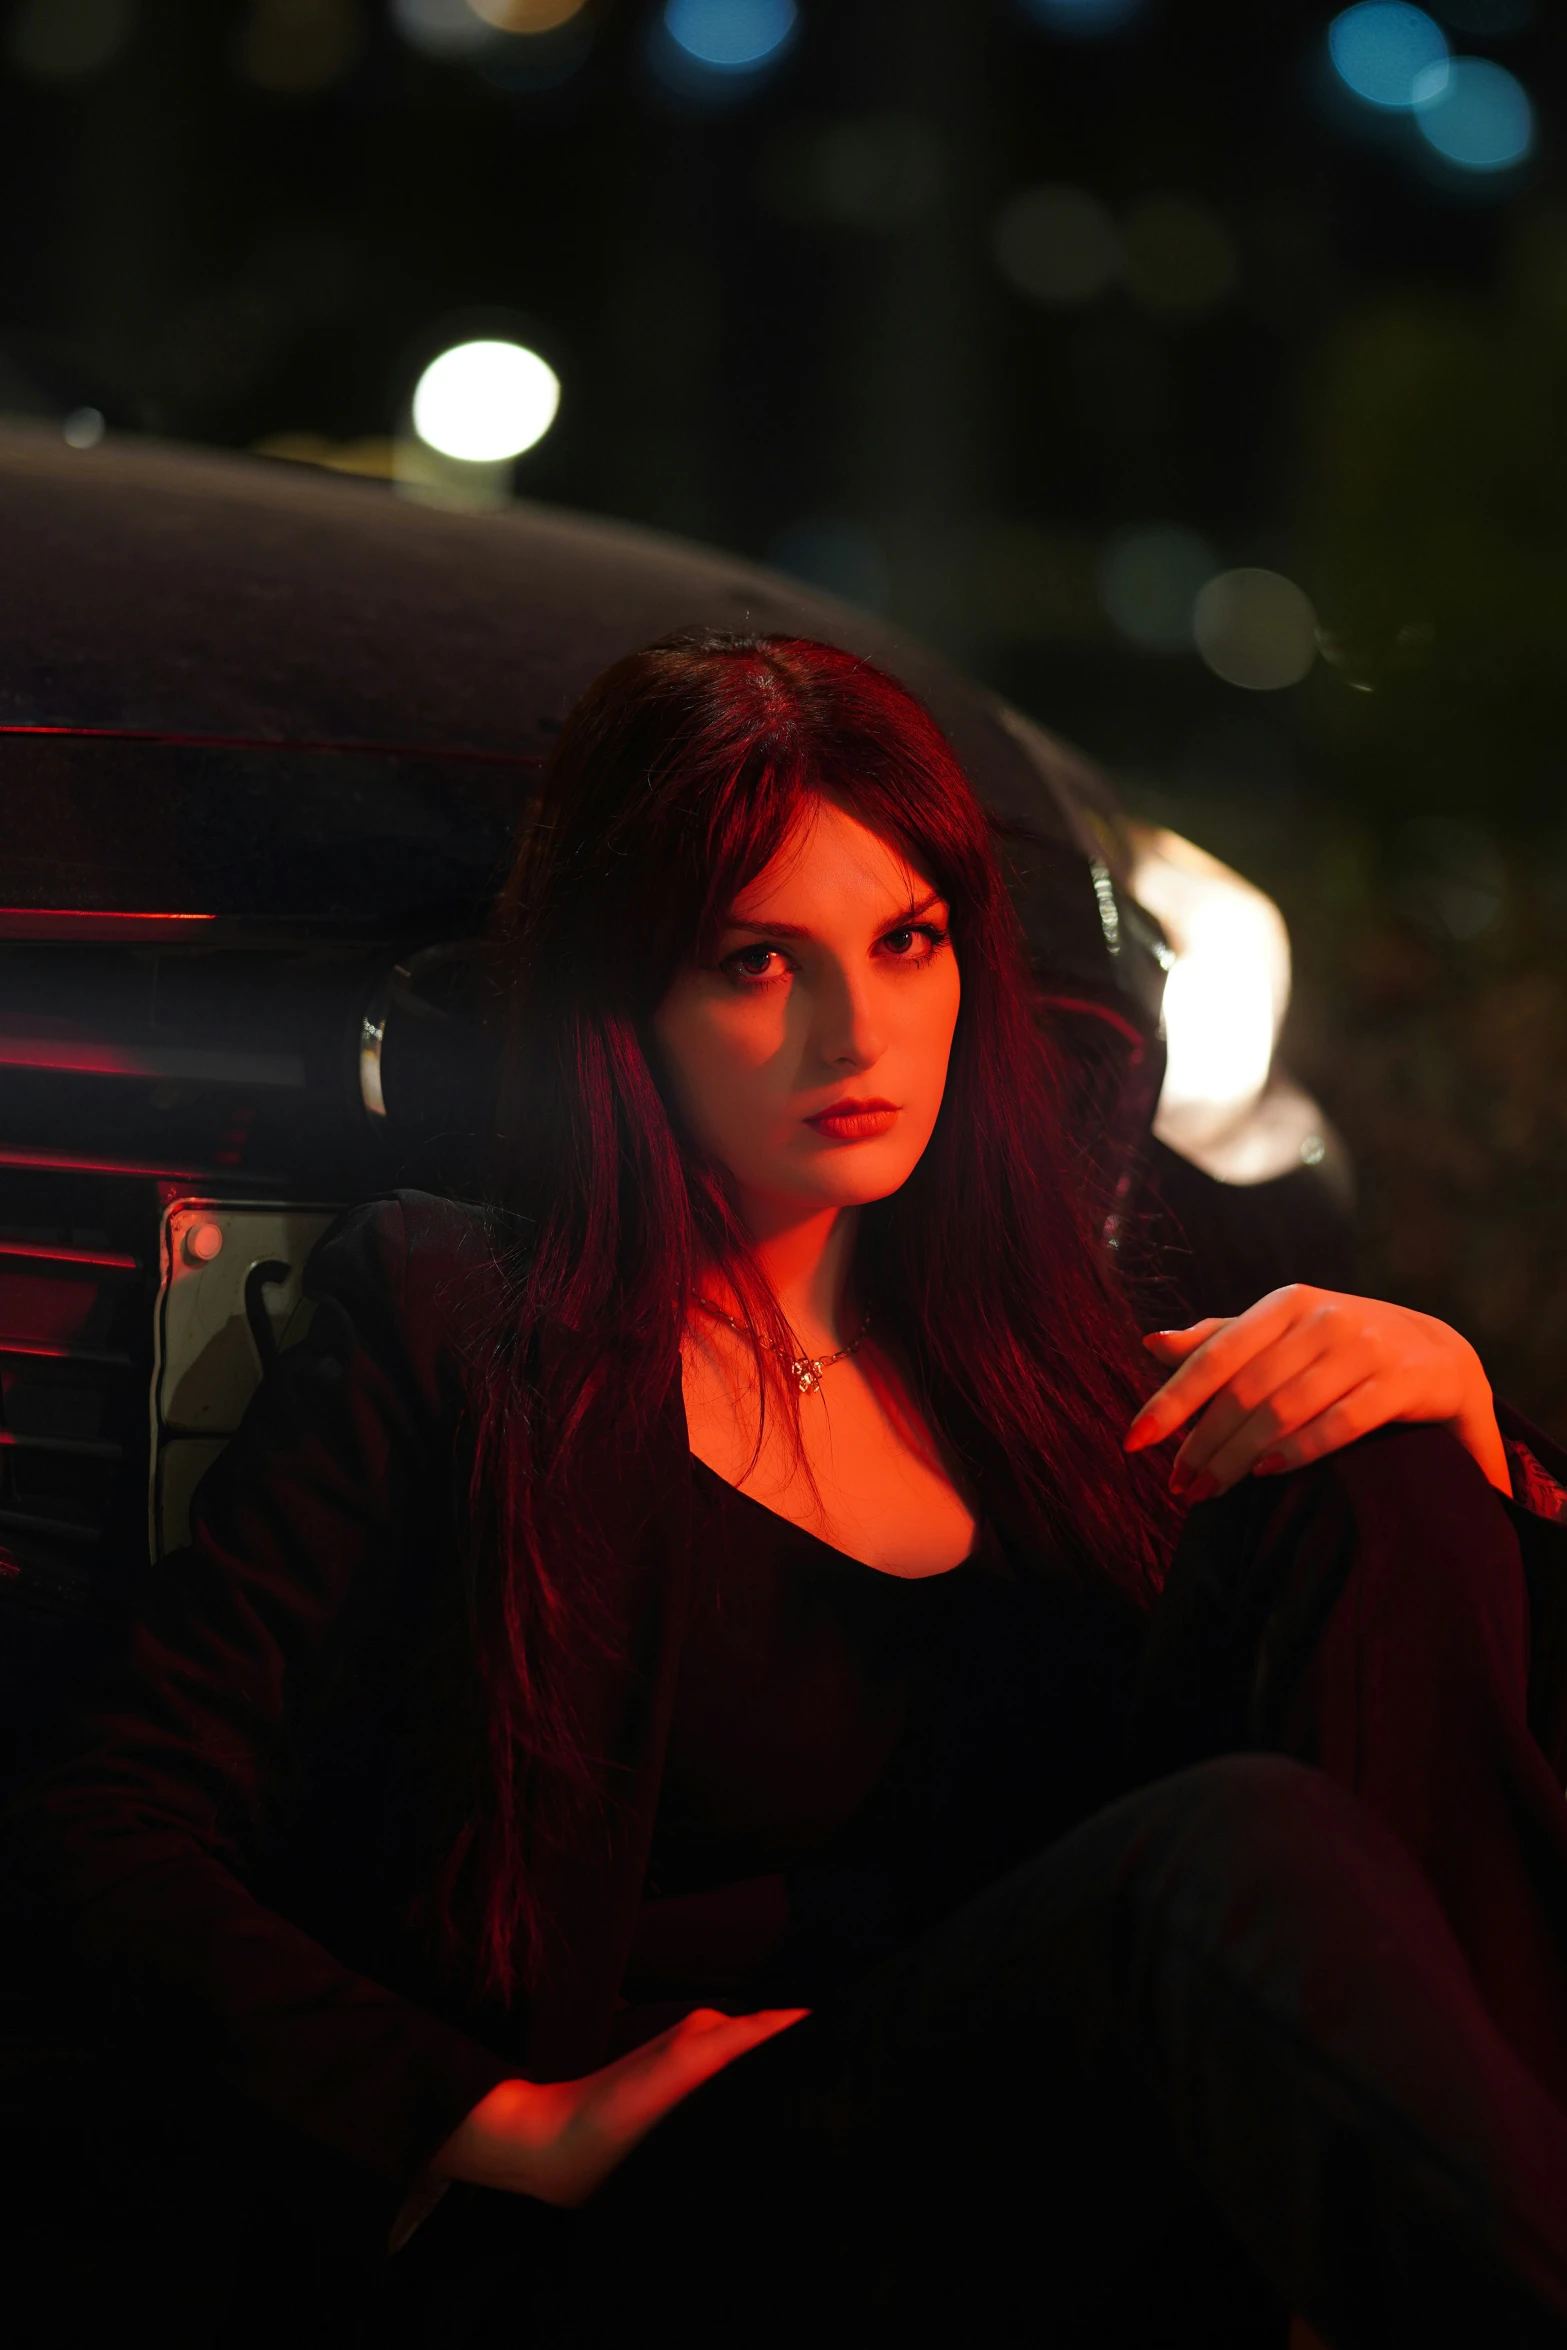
(1181, 260)
(730, 36)
(1057, 245)
(1148, 580)
(525, 16)
(1082, 18)
(484, 402)
(83, 429)
(441, 28)
(69, 40)
(1476, 114)
(1255, 629)
(1381, 48)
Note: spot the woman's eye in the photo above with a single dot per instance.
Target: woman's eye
(913, 942)
(752, 963)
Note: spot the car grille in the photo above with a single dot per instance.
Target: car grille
(76, 1276)
(130, 1082)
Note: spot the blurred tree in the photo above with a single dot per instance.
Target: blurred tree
(1435, 512)
(1429, 931)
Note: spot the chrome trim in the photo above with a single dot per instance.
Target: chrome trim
(1109, 911)
(372, 1036)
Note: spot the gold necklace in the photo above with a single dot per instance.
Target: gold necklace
(806, 1370)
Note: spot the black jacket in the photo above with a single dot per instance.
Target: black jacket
(234, 1836)
(235, 1833)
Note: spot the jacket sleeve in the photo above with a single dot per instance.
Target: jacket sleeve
(137, 1834)
(1538, 1467)
(1539, 1470)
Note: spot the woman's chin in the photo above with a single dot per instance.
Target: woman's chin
(852, 1177)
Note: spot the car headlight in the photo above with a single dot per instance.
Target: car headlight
(1224, 1104)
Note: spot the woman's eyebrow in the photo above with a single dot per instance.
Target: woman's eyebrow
(802, 929)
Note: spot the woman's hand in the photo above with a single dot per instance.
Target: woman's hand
(1301, 1373)
(559, 2140)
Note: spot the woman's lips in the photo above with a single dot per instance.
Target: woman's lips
(854, 1121)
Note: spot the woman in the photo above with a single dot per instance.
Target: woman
(630, 1739)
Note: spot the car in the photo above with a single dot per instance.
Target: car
(265, 739)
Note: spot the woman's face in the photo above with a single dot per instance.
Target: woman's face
(811, 1057)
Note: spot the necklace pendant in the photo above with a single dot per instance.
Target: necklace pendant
(805, 1370)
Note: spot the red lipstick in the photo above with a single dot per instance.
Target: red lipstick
(852, 1121)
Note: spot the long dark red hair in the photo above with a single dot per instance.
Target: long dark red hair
(675, 780)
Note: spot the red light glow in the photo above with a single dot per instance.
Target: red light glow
(246, 742)
(93, 914)
(73, 1163)
(39, 1252)
(95, 922)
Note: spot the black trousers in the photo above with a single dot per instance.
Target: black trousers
(1282, 2029)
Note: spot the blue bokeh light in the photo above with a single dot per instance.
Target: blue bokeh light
(731, 36)
(1477, 115)
(1383, 47)
(1082, 17)
(1148, 580)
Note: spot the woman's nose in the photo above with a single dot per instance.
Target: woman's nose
(848, 1033)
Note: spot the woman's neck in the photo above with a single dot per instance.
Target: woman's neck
(806, 1260)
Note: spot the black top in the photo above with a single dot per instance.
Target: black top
(852, 1751)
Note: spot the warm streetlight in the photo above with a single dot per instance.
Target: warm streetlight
(485, 402)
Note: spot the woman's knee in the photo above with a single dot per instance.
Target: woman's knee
(1399, 1533)
(1427, 1519)
(1257, 1862)
(1421, 1461)
(1405, 1508)
(1258, 1811)
(1193, 1843)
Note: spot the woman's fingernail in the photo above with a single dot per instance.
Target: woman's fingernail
(1180, 1477)
(1269, 1464)
(1137, 1435)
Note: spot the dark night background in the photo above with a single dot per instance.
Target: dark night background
(820, 313)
